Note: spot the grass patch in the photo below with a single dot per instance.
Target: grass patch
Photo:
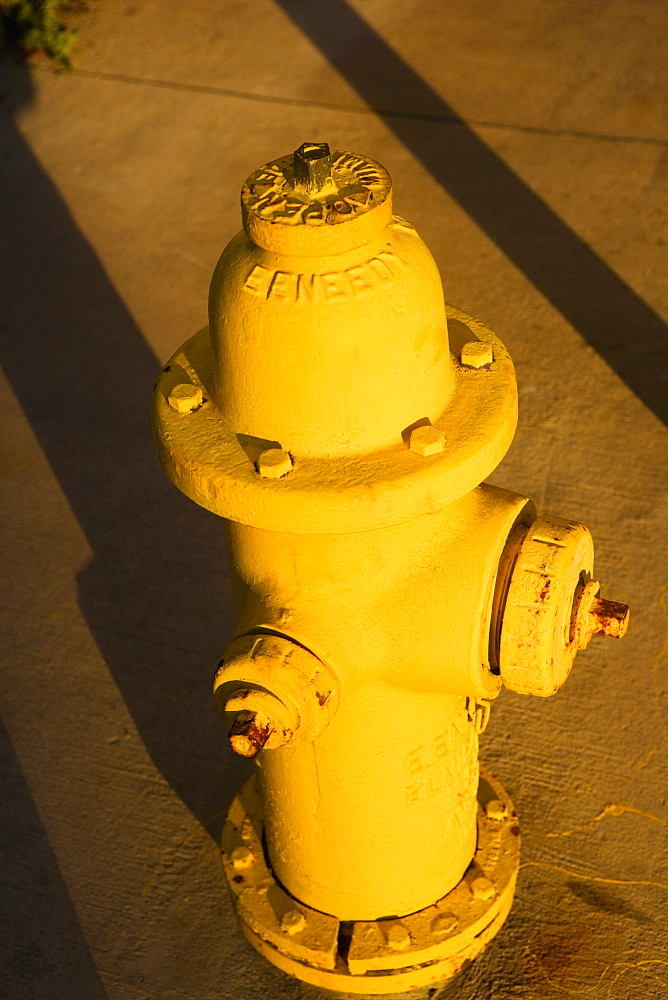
(31, 28)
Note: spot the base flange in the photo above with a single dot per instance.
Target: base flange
(374, 957)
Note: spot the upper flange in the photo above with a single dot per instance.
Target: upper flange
(211, 462)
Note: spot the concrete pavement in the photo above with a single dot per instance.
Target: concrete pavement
(528, 145)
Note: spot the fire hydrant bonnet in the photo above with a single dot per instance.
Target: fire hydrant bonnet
(366, 321)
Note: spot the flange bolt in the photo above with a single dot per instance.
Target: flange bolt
(293, 922)
(397, 936)
(427, 440)
(185, 397)
(476, 354)
(443, 925)
(274, 463)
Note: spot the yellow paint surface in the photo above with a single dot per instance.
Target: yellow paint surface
(383, 593)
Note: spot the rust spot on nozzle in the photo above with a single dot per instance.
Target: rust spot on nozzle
(249, 733)
(609, 617)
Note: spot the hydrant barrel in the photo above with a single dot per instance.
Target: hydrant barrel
(379, 816)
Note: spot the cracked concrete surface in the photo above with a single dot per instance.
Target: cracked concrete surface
(528, 144)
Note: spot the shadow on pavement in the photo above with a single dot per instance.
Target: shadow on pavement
(43, 952)
(617, 323)
(155, 595)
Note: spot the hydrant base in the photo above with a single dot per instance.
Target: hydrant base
(389, 955)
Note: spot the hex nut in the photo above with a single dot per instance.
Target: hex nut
(496, 810)
(427, 440)
(397, 936)
(444, 924)
(313, 168)
(293, 922)
(592, 614)
(250, 732)
(185, 397)
(482, 888)
(610, 617)
(274, 463)
(476, 354)
(242, 857)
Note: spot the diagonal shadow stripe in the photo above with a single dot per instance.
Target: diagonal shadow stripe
(624, 330)
(83, 375)
(43, 951)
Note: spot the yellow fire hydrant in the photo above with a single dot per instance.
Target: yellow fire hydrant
(342, 419)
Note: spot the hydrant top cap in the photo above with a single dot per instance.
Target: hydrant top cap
(316, 202)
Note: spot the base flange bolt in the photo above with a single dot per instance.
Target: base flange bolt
(482, 888)
(293, 922)
(397, 937)
(496, 810)
(443, 925)
(242, 857)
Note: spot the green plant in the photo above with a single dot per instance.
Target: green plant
(33, 26)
